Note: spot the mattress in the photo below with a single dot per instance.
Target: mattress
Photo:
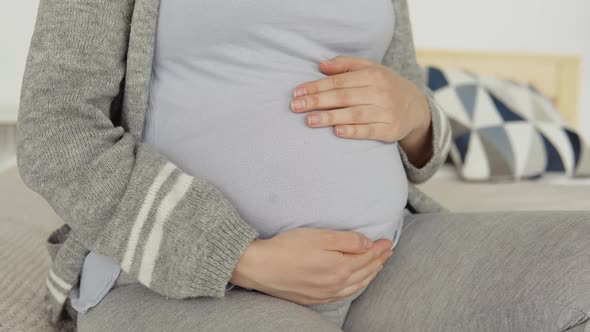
(548, 193)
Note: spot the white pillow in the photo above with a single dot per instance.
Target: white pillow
(503, 130)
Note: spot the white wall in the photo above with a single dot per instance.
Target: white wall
(16, 27)
(555, 26)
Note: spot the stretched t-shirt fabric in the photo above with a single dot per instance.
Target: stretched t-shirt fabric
(219, 108)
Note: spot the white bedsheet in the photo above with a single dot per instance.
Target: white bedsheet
(549, 193)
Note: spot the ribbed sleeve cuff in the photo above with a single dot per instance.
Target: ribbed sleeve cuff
(225, 245)
(441, 139)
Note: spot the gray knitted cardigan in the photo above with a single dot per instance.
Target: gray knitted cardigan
(83, 100)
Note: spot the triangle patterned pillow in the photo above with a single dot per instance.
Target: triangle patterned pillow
(503, 130)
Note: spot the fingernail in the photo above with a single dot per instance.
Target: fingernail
(299, 92)
(339, 130)
(368, 244)
(328, 62)
(298, 104)
(313, 119)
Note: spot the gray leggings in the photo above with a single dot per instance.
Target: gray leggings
(517, 271)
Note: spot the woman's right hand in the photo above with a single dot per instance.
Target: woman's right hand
(311, 265)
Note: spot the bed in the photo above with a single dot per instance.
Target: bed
(556, 76)
(26, 219)
(554, 193)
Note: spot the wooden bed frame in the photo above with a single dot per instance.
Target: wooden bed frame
(556, 76)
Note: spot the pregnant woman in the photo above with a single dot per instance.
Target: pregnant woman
(244, 166)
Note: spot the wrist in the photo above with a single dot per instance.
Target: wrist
(244, 273)
(419, 107)
(418, 143)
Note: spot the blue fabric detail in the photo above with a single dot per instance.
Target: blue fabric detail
(498, 137)
(462, 144)
(398, 233)
(99, 274)
(554, 162)
(500, 126)
(576, 145)
(468, 95)
(505, 112)
(436, 79)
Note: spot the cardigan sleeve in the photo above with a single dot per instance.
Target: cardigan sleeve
(401, 57)
(175, 233)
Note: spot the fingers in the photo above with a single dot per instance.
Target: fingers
(374, 265)
(345, 241)
(361, 278)
(348, 291)
(362, 261)
(352, 271)
(342, 64)
(363, 114)
(338, 98)
(353, 79)
(372, 131)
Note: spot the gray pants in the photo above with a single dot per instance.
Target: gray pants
(525, 271)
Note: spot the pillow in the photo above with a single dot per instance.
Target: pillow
(503, 130)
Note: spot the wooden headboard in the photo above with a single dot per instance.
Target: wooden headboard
(556, 76)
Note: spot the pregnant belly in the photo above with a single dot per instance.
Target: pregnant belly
(279, 173)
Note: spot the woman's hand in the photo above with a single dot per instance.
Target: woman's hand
(311, 265)
(367, 100)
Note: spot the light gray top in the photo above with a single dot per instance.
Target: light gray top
(219, 108)
(81, 117)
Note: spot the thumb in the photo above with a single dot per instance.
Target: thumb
(347, 241)
(342, 64)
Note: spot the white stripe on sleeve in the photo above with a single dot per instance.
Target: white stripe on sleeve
(152, 245)
(59, 281)
(59, 296)
(142, 216)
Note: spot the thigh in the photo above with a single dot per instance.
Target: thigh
(514, 271)
(136, 308)
(336, 311)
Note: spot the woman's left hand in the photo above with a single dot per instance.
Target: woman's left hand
(364, 100)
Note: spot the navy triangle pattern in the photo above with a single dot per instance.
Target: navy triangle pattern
(497, 136)
(505, 112)
(576, 145)
(462, 144)
(436, 79)
(554, 162)
(468, 95)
